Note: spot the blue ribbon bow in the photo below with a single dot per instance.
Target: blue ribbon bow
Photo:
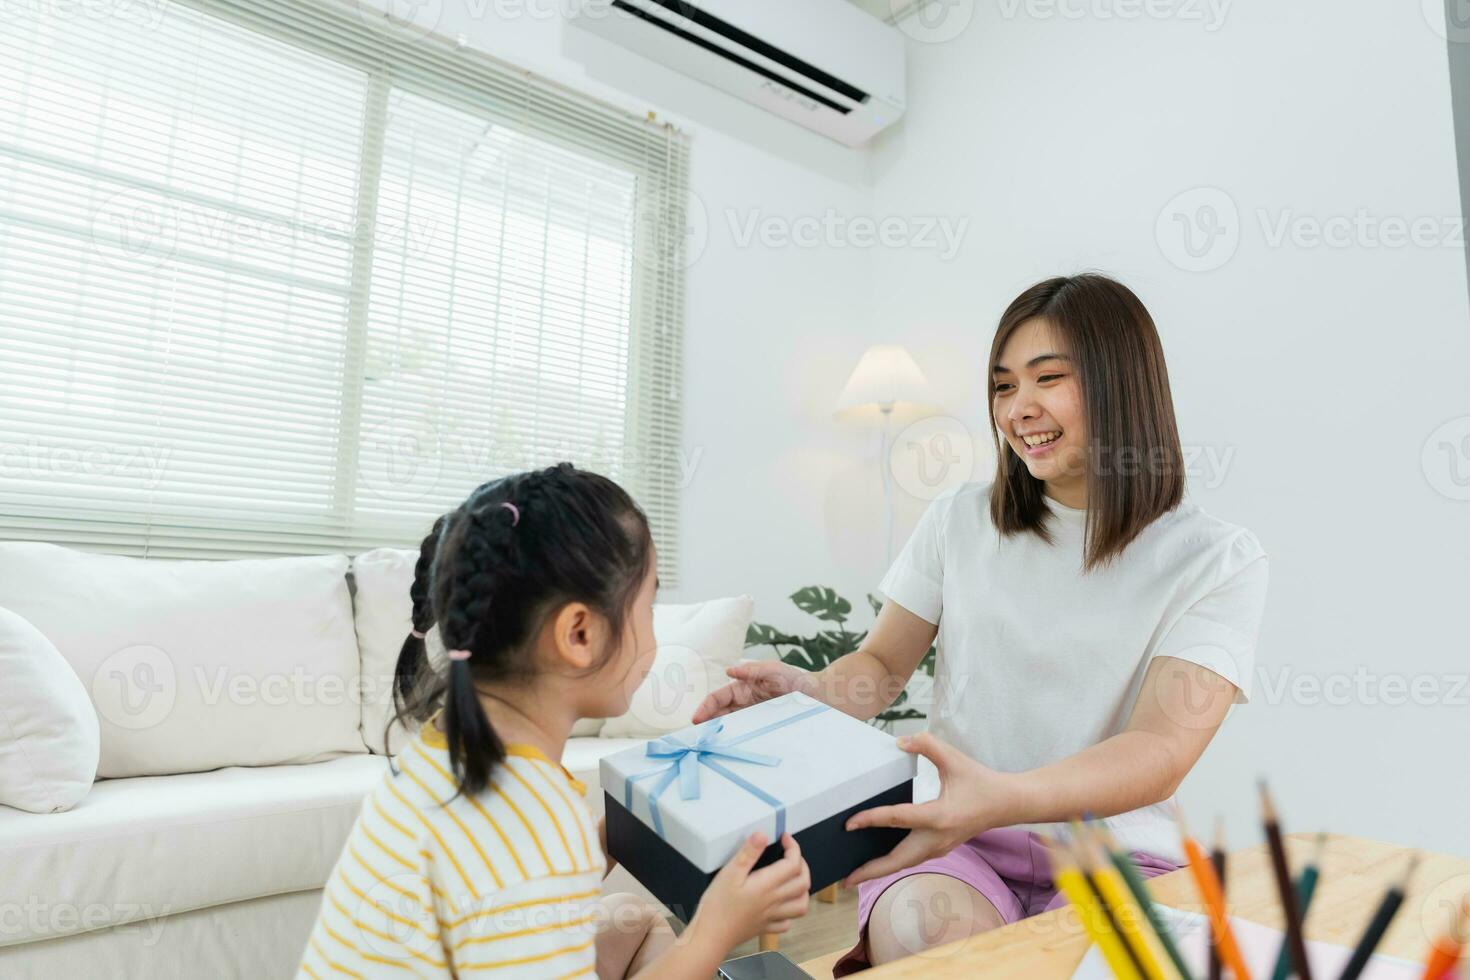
(685, 758)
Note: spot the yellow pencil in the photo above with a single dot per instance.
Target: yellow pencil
(1138, 932)
(1069, 879)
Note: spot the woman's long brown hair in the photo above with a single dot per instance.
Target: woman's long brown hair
(1135, 467)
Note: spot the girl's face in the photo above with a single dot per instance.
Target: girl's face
(1039, 412)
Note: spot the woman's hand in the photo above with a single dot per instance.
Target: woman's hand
(753, 683)
(972, 799)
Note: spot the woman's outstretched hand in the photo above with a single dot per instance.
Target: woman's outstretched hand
(752, 683)
(969, 797)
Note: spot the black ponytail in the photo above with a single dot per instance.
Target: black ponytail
(490, 574)
(484, 544)
(412, 698)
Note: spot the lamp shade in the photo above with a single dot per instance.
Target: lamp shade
(885, 379)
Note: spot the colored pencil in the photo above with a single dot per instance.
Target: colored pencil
(1446, 950)
(1213, 896)
(1130, 874)
(1379, 924)
(1138, 932)
(1306, 887)
(1285, 887)
(1089, 875)
(1069, 880)
(1217, 858)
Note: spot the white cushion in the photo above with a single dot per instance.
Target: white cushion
(382, 617)
(696, 642)
(139, 848)
(194, 665)
(49, 739)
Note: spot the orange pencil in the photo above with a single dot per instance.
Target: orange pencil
(1214, 897)
(1445, 952)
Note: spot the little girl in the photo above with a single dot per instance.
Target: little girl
(478, 855)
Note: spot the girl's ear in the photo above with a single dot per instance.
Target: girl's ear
(576, 636)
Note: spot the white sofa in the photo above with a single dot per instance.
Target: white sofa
(232, 753)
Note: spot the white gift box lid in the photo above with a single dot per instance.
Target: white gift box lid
(829, 761)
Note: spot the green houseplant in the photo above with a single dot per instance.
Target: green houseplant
(815, 651)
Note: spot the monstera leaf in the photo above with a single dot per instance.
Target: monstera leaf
(818, 650)
(843, 641)
(761, 635)
(823, 603)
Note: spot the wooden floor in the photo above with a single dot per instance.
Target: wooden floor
(822, 930)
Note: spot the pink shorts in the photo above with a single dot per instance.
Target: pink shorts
(1008, 866)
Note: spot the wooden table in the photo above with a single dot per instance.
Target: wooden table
(1355, 874)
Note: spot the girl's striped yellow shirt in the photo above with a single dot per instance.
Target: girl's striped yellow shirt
(433, 884)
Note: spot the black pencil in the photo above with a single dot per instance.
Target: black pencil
(1387, 909)
(1285, 887)
(1217, 858)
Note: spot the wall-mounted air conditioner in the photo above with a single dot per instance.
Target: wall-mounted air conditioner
(822, 63)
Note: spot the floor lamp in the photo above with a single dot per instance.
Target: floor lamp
(885, 382)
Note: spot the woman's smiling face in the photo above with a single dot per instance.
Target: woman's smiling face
(1037, 401)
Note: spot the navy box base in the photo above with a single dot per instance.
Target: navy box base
(831, 852)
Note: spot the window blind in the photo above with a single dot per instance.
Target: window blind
(285, 277)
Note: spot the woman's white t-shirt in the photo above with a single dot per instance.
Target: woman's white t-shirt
(1038, 659)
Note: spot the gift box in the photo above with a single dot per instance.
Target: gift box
(679, 807)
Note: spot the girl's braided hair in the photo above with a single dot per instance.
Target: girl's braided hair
(488, 575)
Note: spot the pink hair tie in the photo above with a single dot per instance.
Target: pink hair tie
(515, 512)
(416, 634)
(459, 655)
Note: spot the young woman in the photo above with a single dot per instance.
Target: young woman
(477, 856)
(1093, 630)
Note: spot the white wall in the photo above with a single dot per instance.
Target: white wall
(1323, 369)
